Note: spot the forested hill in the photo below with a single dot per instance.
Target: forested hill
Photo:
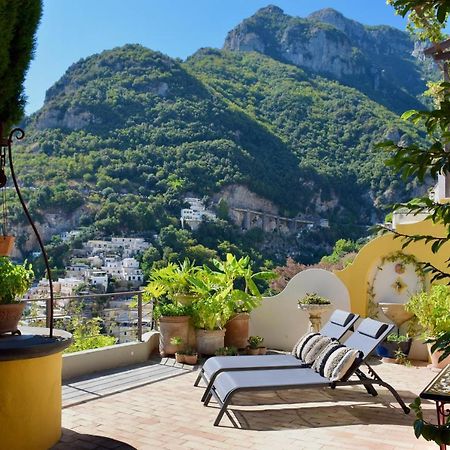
(126, 134)
(381, 61)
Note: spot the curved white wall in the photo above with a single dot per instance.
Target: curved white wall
(279, 321)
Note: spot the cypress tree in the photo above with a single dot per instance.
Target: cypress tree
(18, 23)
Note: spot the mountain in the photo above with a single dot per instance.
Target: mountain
(381, 61)
(126, 134)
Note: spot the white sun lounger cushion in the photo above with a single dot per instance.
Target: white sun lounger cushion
(298, 347)
(313, 348)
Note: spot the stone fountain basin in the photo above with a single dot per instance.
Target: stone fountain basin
(396, 312)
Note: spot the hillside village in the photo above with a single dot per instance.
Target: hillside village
(100, 266)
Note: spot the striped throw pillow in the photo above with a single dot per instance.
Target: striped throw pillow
(321, 359)
(314, 350)
(298, 347)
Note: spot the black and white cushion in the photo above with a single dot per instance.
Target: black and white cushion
(314, 347)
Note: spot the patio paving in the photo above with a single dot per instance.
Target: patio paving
(155, 405)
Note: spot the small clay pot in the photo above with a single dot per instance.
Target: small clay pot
(262, 350)
(6, 245)
(191, 359)
(179, 358)
(252, 351)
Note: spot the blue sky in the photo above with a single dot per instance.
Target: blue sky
(71, 30)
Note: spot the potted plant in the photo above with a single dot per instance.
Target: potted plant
(211, 311)
(226, 351)
(173, 282)
(172, 285)
(315, 305)
(432, 310)
(15, 280)
(243, 297)
(254, 345)
(177, 341)
(185, 354)
(190, 356)
(394, 344)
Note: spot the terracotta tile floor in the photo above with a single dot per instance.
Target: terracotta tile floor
(168, 415)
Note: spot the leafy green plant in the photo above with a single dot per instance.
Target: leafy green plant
(171, 280)
(313, 299)
(432, 310)
(86, 334)
(402, 358)
(437, 433)
(225, 291)
(171, 310)
(15, 280)
(18, 22)
(176, 340)
(394, 337)
(226, 351)
(255, 341)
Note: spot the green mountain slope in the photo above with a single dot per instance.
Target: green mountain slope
(330, 128)
(126, 134)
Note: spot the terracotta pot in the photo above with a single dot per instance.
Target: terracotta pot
(252, 351)
(179, 358)
(208, 341)
(6, 245)
(435, 358)
(262, 350)
(169, 327)
(191, 359)
(10, 316)
(237, 330)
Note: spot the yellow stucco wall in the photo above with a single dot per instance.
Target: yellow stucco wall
(356, 275)
(30, 403)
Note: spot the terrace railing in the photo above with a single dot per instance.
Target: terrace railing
(90, 306)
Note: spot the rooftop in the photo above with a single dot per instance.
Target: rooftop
(155, 405)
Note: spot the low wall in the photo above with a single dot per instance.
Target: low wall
(89, 361)
(279, 321)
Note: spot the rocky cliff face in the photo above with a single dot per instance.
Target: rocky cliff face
(377, 60)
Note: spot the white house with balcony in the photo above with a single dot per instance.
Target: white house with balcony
(196, 213)
(99, 278)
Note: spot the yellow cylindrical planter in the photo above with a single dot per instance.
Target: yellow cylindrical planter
(30, 403)
(30, 394)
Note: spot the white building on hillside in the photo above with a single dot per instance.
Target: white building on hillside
(127, 247)
(196, 213)
(126, 269)
(99, 278)
(78, 270)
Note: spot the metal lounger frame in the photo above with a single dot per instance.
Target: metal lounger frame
(209, 382)
(367, 381)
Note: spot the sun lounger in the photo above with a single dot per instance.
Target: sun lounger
(368, 335)
(340, 322)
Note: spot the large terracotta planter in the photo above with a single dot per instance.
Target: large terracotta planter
(435, 358)
(10, 316)
(6, 245)
(169, 327)
(237, 330)
(208, 341)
